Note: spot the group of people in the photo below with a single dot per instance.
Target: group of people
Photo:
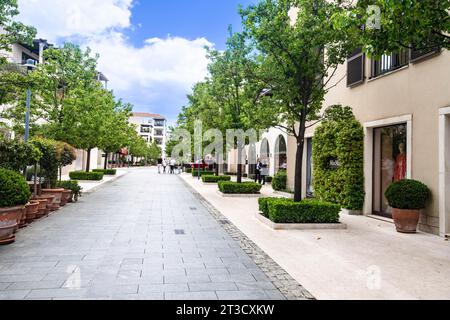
(163, 165)
(261, 172)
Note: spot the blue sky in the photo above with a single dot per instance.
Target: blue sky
(151, 50)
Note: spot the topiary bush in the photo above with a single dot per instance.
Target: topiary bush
(88, 176)
(188, 170)
(279, 181)
(408, 194)
(338, 156)
(14, 190)
(195, 173)
(215, 179)
(106, 172)
(281, 210)
(228, 187)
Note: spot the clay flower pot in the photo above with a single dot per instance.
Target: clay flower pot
(8, 223)
(66, 196)
(45, 211)
(56, 204)
(42, 208)
(406, 221)
(23, 218)
(32, 210)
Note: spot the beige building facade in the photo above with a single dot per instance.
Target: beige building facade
(403, 103)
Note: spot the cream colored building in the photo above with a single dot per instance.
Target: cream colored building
(403, 102)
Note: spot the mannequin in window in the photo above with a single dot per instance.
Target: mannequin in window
(400, 164)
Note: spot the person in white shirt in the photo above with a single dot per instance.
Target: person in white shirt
(172, 166)
(164, 164)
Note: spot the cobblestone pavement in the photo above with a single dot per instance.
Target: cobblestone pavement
(144, 236)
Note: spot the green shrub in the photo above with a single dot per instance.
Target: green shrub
(281, 210)
(16, 155)
(408, 194)
(209, 173)
(188, 170)
(14, 190)
(339, 139)
(270, 179)
(89, 176)
(71, 185)
(215, 179)
(279, 181)
(50, 160)
(230, 173)
(239, 188)
(106, 172)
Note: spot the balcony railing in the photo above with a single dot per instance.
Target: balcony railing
(389, 62)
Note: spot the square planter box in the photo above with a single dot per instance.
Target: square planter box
(239, 195)
(299, 226)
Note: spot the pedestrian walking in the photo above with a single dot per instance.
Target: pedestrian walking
(173, 163)
(164, 164)
(160, 161)
(264, 173)
(258, 170)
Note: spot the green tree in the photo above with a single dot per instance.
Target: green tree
(394, 25)
(231, 90)
(298, 64)
(12, 31)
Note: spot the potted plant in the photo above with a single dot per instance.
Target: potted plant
(407, 198)
(14, 195)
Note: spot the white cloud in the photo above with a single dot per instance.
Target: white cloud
(155, 75)
(57, 19)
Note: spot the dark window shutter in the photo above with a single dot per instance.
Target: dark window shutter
(417, 55)
(355, 68)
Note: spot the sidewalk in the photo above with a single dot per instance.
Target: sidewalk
(369, 260)
(91, 186)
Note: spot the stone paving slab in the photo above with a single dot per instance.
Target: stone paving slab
(144, 236)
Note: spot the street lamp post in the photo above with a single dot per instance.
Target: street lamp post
(30, 65)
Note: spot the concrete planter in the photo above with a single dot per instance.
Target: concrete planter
(239, 195)
(299, 226)
(352, 212)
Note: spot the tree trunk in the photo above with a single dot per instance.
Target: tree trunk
(239, 167)
(299, 161)
(88, 161)
(106, 160)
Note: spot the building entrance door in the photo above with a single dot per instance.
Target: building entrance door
(390, 161)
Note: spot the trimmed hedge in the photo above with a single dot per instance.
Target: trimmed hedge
(269, 179)
(188, 170)
(88, 176)
(202, 173)
(14, 190)
(408, 194)
(279, 181)
(281, 210)
(339, 139)
(215, 179)
(230, 173)
(106, 172)
(239, 188)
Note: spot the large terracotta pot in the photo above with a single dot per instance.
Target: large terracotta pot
(50, 200)
(56, 204)
(32, 210)
(42, 208)
(406, 221)
(66, 196)
(23, 218)
(8, 223)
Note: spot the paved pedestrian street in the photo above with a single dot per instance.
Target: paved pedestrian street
(143, 236)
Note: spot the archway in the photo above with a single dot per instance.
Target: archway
(264, 155)
(280, 154)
